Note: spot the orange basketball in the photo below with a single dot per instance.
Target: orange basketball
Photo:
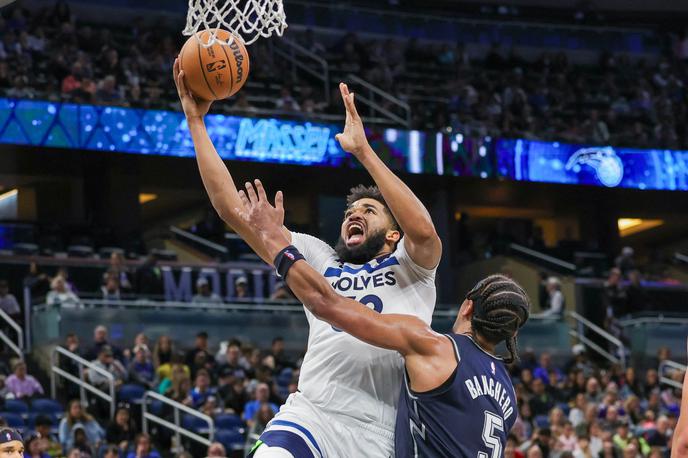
(214, 72)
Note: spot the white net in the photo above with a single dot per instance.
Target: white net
(246, 19)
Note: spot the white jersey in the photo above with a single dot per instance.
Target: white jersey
(340, 374)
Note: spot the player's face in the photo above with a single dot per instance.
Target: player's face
(365, 229)
(12, 449)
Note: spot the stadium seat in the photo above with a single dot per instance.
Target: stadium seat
(28, 249)
(195, 424)
(80, 251)
(232, 439)
(14, 420)
(31, 422)
(131, 393)
(565, 407)
(48, 407)
(542, 421)
(17, 406)
(228, 421)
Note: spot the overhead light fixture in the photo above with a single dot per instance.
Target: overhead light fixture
(9, 194)
(629, 226)
(146, 197)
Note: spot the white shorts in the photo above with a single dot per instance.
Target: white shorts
(306, 431)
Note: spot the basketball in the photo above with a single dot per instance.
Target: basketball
(217, 71)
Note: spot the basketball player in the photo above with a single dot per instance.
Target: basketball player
(458, 399)
(11, 443)
(386, 258)
(679, 448)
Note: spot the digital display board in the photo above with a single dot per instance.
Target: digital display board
(553, 162)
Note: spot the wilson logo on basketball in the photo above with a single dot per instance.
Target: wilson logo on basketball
(239, 58)
(217, 65)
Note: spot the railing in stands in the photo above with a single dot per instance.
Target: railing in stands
(215, 248)
(543, 257)
(582, 325)
(656, 319)
(18, 345)
(80, 381)
(305, 60)
(373, 98)
(176, 427)
(664, 368)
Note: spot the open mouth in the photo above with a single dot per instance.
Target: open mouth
(355, 233)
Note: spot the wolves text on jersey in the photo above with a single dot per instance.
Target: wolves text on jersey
(361, 283)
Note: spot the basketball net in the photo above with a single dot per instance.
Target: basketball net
(246, 19)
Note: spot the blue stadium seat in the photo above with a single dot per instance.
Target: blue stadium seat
(228, 421)
(17, 406)
(194, 424)
(31, 422)
(565, 407)
(14, 420)
(541, 421)
(232, 439)
(131, 393)
(155, 407)
(48, 407)
(284, 377)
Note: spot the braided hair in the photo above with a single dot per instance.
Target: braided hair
(500, 308)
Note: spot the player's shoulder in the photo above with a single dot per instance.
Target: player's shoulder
(301, 241)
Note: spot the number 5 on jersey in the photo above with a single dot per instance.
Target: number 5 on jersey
(370, 299)
(492, 422)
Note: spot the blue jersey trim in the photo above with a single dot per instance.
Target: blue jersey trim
(337, 272)
(300, 428)
(287, 440)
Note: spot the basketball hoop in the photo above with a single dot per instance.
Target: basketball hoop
(246, 19)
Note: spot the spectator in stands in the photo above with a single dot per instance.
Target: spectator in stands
(141, 369)
(202, 389)
(71, 366)
(542, 401)
(204, 294)
(100, 340)
(107, 362)
(651, 382)
(166, 372)
(543, 370)
(624, 262)
(262, 417)
(555, 300)
(637, 298)
(120, 431)
(111, 290)
(112, 451)
(64, 273)
(36, 281)
(76, 418)
(34, 447)
(285, 102)
(241, 289)
(199, 356)
(22, 385)
(163, 351)
(280, 358)
(8, 303)
(232, 393)
(44, 425)
(144, 448)
(119, 270)
(262, 395)
(281, 292)
(60, 295)
(179, 386)
(232, 365)
(149, 277)
(216, 449)
(81, 441)
(615, 299)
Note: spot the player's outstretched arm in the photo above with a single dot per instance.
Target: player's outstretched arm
(404, 333)
(679, 447)
(216, 178)
(422, 242)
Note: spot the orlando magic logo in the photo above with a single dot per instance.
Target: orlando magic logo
(607, 165)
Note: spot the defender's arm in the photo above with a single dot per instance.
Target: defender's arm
(679, 447)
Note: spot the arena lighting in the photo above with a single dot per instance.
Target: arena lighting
(629, 226)
(146, 197)
(9, 194)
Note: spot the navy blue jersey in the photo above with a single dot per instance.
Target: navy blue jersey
(469, 415)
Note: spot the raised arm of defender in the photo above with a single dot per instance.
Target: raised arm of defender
(216, 178)
(422, 242)
(679, 447)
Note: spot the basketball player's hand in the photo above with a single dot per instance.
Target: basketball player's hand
(353, 139)
(193, 107)
(264, 218)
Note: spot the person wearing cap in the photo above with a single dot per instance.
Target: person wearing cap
(11, 443)
(199, 356)
(555, 300)
(204, 295)
(241, 288)
(107, 362)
